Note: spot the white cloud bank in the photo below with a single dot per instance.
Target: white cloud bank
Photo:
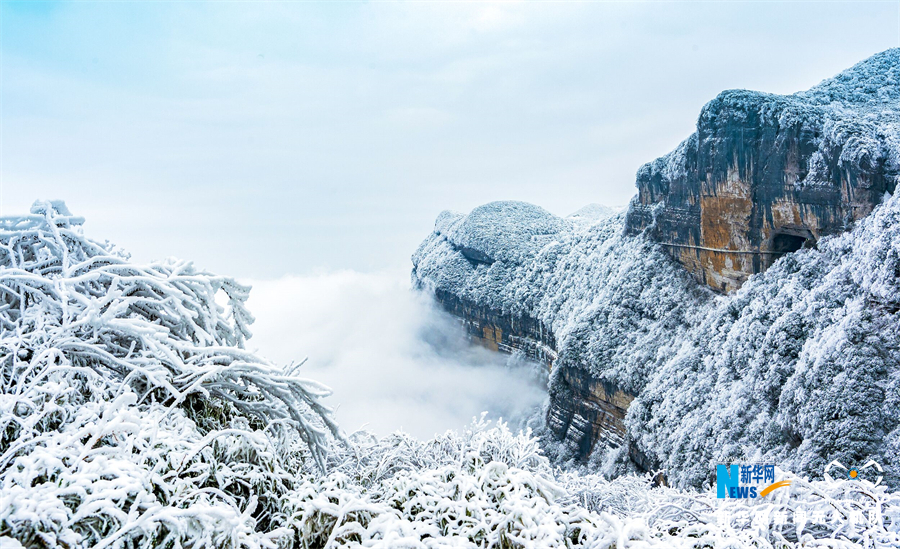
(392, 358)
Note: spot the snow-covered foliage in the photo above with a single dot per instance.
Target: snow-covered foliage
(824, 513)
(872, 81)
(799, 367)
(500, 231)
(593, 213)
(488, 487)
(132, 417)
(854, 116)
(129, 411)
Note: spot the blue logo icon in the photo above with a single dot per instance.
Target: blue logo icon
(746, 481)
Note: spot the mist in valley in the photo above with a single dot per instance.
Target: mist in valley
(392, 358)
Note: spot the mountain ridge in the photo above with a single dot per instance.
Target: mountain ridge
(797, 364)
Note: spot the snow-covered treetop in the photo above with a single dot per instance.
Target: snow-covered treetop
(874, 80)
(507, 231)
(71, 303)
(41, 211)
(130, 416)
(872, 83)
(592, 213)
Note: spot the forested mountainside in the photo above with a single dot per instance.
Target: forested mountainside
(797, 365)
(132, 416)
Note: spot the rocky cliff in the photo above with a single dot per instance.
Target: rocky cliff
(765, 175)
(524, 280)
(584, 410)
(797, 365)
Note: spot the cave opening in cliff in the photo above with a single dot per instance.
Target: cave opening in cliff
(786, 243)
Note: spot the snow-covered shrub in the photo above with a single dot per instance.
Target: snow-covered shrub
(132, 417)
(465, 490)
(824, 513)
(371, 460)
(129, 410)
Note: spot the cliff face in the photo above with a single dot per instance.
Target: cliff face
(584, 411)
(797, 365)
(765, 175)
(507, 333)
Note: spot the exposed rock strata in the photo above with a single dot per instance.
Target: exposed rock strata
(583, 410)
(645, 357)
(507, 333)
(765, 175)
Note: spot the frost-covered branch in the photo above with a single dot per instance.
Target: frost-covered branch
(100, 358)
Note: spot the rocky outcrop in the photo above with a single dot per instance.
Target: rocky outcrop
(642, 356)
(765, 175)
(502, 332)
(583, 410)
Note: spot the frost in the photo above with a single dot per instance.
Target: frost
(854, 116)
(579, 284)
(506, 231)
(131, 416)
(129, 408)
(593, 213)
(798, 367)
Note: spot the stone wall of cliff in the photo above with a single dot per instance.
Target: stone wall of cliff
(502, 332)
(765, 175)
(583, 410)
(794, 364)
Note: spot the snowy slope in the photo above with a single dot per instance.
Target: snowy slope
(131, 416)
(800, 366)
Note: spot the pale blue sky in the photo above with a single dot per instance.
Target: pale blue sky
(265, 139)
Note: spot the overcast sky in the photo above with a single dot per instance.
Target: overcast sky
(297, 137)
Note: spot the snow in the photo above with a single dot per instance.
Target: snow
(805, 354)
(131, 416)
(506, 231)
(798, 367)
(128, 403)
(578, 284)
(593, 213)
(874, 80)
(855, 117)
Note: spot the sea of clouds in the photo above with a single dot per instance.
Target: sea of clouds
(392, 358)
